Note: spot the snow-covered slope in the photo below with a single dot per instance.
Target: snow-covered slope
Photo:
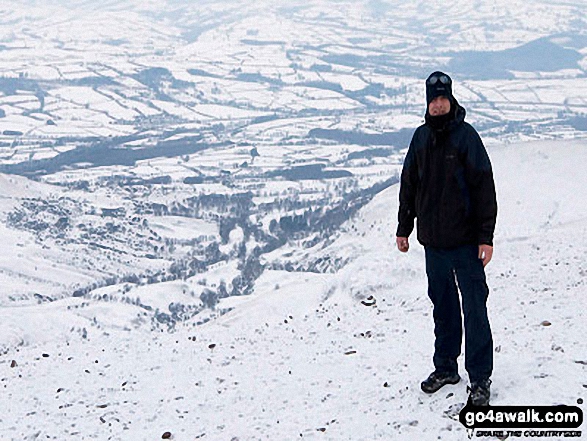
(304, 358)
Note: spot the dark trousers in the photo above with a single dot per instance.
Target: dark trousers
(443, 266)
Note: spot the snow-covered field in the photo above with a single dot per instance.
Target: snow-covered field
(231, 61)
(302, 357)
(160, 159)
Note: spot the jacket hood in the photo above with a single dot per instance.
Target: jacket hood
(442, 123)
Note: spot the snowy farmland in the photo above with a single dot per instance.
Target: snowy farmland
(196, 199)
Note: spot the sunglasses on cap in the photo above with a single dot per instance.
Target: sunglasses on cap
(436, 78)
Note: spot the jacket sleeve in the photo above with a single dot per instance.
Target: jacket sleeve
(407, 193)
(479, 175)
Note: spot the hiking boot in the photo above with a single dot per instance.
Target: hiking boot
(479, 393)
(438, 379)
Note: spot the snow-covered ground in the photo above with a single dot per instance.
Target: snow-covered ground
(302, 357)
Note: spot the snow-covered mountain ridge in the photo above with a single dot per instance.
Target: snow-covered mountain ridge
(302, 357)
(197, 197)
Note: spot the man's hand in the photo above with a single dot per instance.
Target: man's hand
(485, 253)
(402, 244)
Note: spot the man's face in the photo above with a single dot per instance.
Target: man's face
(439, 106)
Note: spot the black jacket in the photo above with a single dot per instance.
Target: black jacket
(447, 183)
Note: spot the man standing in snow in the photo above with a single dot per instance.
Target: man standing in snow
(447, 184)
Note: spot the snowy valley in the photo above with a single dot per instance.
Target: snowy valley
(198, 205)
(310, 355)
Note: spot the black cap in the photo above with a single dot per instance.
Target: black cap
(438, 84)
